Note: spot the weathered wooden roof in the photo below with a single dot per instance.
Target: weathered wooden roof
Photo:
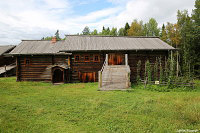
(87, 43)
(6, 48)
(34, 47)
(90, 43)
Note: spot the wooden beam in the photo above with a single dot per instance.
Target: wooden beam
(126, 59)
(18, 73)
(106, 59)
(68, 60)
(177, 65)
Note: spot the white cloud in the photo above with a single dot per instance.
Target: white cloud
(162, 10)
(34, 19)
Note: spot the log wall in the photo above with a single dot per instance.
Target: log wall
(134, 57)
(38, 68)
(86, 67)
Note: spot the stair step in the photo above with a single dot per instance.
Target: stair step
(115, 77)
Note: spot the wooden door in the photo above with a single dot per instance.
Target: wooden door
(115, 59)
(87, 77)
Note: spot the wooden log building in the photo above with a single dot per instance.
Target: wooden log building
(79, 58)
(7, 64)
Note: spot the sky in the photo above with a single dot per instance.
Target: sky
(34, 19)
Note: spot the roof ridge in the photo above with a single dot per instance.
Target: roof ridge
(41, 40)
(114, 36)
(6, 45)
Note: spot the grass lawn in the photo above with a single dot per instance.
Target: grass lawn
(43, 107)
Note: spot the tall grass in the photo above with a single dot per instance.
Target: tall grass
(43, 107)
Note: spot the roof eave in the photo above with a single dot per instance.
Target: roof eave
(119, 50)
(18, 54)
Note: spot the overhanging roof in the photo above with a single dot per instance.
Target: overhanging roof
(5, 49)
(106, 43)
(89, 43)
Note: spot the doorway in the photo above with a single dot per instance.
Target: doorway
(87, 77)
(115, 59)
(58, 76)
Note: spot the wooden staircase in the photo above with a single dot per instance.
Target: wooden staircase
(114, 77)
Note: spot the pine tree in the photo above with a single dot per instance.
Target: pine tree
(196, 37)
(57, 35)
(107, 31)
(126, 28)
(121, 32)
(163, 34)
(187, 29)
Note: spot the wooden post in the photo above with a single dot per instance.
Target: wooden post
(106, 59)
(100, 79)
(5, 71)
(177, 66)
(126, 59)
(68, 60)
(18, 73)
(145, 82)
(171, 55)
(128, 80)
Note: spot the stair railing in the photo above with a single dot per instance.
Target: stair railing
(104, 64)
(100, 72)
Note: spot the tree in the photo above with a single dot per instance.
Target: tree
(196, 37)
(152, 27)
(187, 52)
(57, 35)
(163, 34)
(113, 32)
(121, 32)
(95, 32)
(173, 34)
(196, 13)
(105, 31)
(136, 29)
(126, 28)
(145, 30)
(86, 31)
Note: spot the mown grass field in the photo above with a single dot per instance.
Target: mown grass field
(73, 108)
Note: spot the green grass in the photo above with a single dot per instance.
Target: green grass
(43, 107)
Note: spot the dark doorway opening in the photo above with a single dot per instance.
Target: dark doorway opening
(58, 76)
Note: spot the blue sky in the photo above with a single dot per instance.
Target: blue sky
(34, 19)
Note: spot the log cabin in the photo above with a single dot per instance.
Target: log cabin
(7, 64)
(81, 58)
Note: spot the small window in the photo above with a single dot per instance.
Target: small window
(87, 58)
(77, 58)
(96, 58)
(27, 62)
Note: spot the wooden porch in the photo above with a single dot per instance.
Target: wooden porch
(115, 75)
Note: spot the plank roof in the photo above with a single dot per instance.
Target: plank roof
(90, 43)
(4, 49)
(87, 43)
